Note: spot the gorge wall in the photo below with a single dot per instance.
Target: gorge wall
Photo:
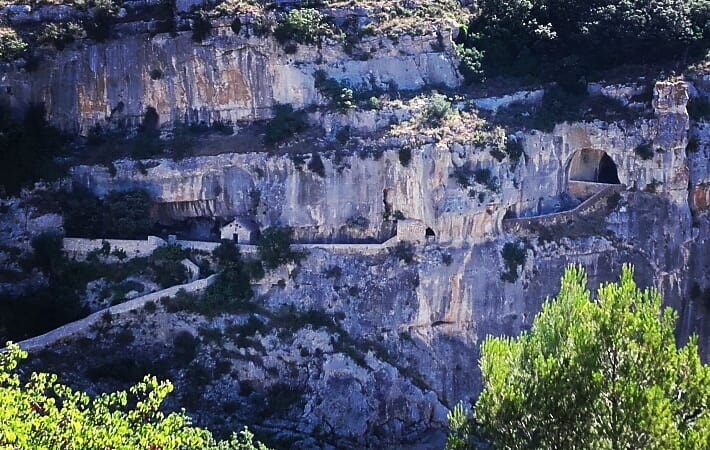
(348, 350)
(229, 77)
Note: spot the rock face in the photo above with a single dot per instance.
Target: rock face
(403, 339)
(228, 77)
(351, 350)
(425, 189)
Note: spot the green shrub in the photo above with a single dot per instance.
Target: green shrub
(167, 266)
(374, 103)
(274, 247)
(316, 166)
(404, 251)
(304, 26)
(514, 149)
(471, 65)
(644, 151)
(463, 175)
(333, 272)
(185, 347)
(150, 307)
(344, 101)
(60, 35)
(438, 109)
(47, 251)
(699, 108)
(201, 26)
(340, 95)
(99, 26)
(555, 39)
(28, 150)
(124, 215)
(405, 156)
(11, 45)
(343, 135)
(226, 252)
(514, 256)
(285, 124)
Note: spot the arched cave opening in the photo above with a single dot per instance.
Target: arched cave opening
(593, 166)
(151, 119)
(607, 171)
(429, 233)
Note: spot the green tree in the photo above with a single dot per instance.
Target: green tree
(274, 247)
(47, 250)
(593, 373)
(557, 38)
(42, 413)
(28, 148)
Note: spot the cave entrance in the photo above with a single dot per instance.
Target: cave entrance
(592, 166)
(429, 233)
(588, 171)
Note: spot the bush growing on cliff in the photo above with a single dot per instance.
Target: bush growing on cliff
(316, 165)
(59, 35)
(438, 109)
(405, 156)
(644, 151)
(286, 123)
(274, 247)
(11, 45)
(514, 256)
(699, 108)
(38, 412)
(602, 372)
(99, 26)
(201, 26)
(28, 149)
(341, 96)
(47, 251)
(124, 215)
(305, 26)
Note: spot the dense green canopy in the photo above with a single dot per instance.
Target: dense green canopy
(41, 413)
(602, 373)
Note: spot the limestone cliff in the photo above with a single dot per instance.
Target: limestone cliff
(229, 77)
(347, 349)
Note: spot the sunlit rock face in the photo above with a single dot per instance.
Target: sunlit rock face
(228, 77)
(416, 328)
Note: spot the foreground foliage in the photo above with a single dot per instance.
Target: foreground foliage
(42, 413)
(601, 373)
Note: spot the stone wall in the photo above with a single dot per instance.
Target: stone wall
(584, 189)
(87, 324)
(80, 247)
(591, 205)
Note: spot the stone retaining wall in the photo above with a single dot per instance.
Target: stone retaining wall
(84, 325)
(589, 206)
(80, 247)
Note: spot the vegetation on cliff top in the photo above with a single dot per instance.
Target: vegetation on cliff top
(40, 412)
(567, 39)
(600, 372)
